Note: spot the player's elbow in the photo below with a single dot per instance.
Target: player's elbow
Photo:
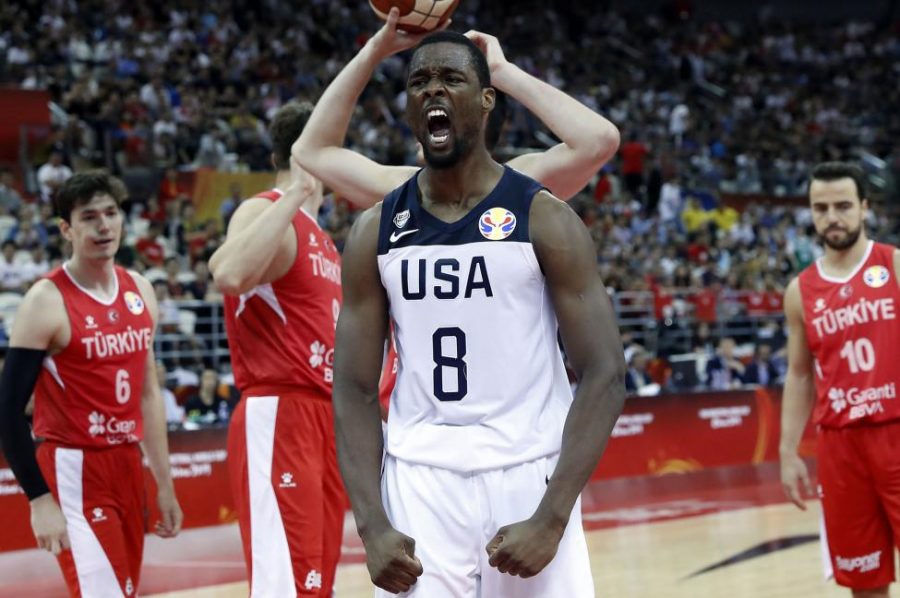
(606, 140)
(230, 282)
(609, 375)
(304, 152)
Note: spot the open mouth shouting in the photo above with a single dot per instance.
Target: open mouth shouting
(438, 122)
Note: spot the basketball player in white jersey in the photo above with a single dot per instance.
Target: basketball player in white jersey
(588, 139)
(478, 268)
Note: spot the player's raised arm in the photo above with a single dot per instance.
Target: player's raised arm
(591, 338)
(359, 345)
(798, 399)
(320, 149)
(249, 256)
(588, 139)
(156, 441)
(39, 322)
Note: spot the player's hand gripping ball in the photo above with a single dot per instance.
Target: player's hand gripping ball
(416, 16)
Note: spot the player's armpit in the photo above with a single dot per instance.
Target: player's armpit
(568, 258)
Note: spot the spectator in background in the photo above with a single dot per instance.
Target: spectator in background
(724, 371)
(10, 200)
(670, 202)
(149, 249)
(762, 369)
(168, 309)
(230, 203)
(637, 380)
(38, 266)
(173, 268)
(211, 153)
(49, 224)
(693, 216)
(725, 217)
(201, 288)
(174, 412)
(52, 175)
(13, 275)
(26, 234)
(155, 97)
(633, 153)
(679, 123)
(207, 405)
(170, 188)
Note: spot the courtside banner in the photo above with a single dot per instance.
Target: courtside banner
(681, 433)
(668, 434)
(201, 483)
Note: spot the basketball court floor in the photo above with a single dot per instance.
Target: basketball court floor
(722, 532)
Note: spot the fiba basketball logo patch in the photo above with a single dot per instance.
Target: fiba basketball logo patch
(496, 224)
(134, 303)
(876, 276)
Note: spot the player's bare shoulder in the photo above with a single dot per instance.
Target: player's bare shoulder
(551, 221)
(364, 233)
(360, 259)
(41, 321)
(43, 295)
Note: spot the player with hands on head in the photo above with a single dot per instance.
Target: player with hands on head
(588, 140)
(479, 269)
(82, 342)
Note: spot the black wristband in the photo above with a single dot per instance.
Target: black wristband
(20, 374)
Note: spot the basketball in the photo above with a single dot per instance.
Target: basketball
(416, 16)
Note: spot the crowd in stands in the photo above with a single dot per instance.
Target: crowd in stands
(706, 110)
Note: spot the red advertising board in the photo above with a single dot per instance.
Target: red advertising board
(684, 433)
(654, 436)
(201, 482)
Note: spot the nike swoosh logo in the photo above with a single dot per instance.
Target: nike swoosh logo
(396, 236)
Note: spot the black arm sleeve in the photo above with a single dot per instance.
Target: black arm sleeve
(20, 373)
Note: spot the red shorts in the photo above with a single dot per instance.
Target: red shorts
(288, 493)
(101, 494)
(859, 473)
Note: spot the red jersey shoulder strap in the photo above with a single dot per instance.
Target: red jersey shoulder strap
(273, 194)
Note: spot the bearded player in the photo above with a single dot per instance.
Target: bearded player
(842, 317)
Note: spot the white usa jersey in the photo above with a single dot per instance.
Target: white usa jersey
(481, 383)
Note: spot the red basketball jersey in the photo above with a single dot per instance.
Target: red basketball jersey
(281, 334)
(388, 375)
(89, 394)
(852, 328)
